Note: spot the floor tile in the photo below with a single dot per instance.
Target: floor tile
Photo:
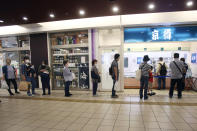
(105, 128)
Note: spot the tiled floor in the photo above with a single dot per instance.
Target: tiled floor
(70, 114)
(46, 115)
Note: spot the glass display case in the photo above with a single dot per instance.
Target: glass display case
(71, 46)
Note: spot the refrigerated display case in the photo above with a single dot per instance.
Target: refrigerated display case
(74, 47)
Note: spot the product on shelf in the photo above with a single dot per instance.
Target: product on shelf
(78, 57)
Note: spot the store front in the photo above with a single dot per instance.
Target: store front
(158, 42)
(75, 47)
(15, 48)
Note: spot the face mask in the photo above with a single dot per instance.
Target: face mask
(27, 61)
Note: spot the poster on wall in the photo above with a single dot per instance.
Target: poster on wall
(193, 58)
(139, 60)
(84, 77)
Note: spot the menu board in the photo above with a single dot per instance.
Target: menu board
(84, 77)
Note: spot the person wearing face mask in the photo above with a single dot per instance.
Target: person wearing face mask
(28, 74)
(9, 75)
(44, 71)
(95, 77)
(68, 77)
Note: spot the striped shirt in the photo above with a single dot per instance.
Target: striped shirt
(175, 73)
(145, 67)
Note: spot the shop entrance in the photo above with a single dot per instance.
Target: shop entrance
(106, 55)
(133, 56)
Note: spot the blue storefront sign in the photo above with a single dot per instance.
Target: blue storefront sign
(193, 58)
(148, 34)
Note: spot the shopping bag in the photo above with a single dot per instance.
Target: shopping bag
(138, 74)
(23, 86)
(4, 85)
(73, 75)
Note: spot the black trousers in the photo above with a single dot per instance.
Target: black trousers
(113, 88)
(8, 81)
(67, 88)
(95, 86)
(183, 83)
(46, 84)
(179, 87)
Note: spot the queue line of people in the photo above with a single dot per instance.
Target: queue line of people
(28, 73)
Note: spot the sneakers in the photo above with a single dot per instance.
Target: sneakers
(17, 92)
(95, 95)
(29, 94)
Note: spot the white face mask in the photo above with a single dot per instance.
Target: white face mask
(27, 61)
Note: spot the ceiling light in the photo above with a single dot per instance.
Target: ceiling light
(115, 9)
(151, 6)
(1, 21)
(189, 3)
(52, 15)
(82, 12)
(25, 18)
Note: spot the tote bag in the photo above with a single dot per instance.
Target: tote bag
(23, 86)
(4, 85)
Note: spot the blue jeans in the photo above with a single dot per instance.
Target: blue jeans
(33, 83)
(144, 85)
(67, 88)
(163, 79)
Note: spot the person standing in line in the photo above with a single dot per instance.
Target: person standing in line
(184, 73)
(9, 75)
(95, 76)
(145, 69)
(68, 77)
(44, 71)
(177, 69)
(115, 74)
(161, 73)
(28, 74)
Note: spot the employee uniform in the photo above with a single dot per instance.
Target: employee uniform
(10, 76)
(176, 77)
(68, 79)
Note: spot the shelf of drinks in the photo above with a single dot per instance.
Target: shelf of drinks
(72, 54)
(69, 46)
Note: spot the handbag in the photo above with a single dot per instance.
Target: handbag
(73, 75)
(23, 86)
(4, 85)
(139, 73)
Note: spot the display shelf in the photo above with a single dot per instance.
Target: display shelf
(15, 49)
(59, 54)
(74, 47)
(69, 46)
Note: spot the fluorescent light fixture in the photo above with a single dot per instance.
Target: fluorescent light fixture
(51, 15)
(81, 12)
(151, 6)
(25, 18)
(190, 3)
(1, 21)
(115, 9)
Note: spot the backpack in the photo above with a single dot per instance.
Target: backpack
(163, 70)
